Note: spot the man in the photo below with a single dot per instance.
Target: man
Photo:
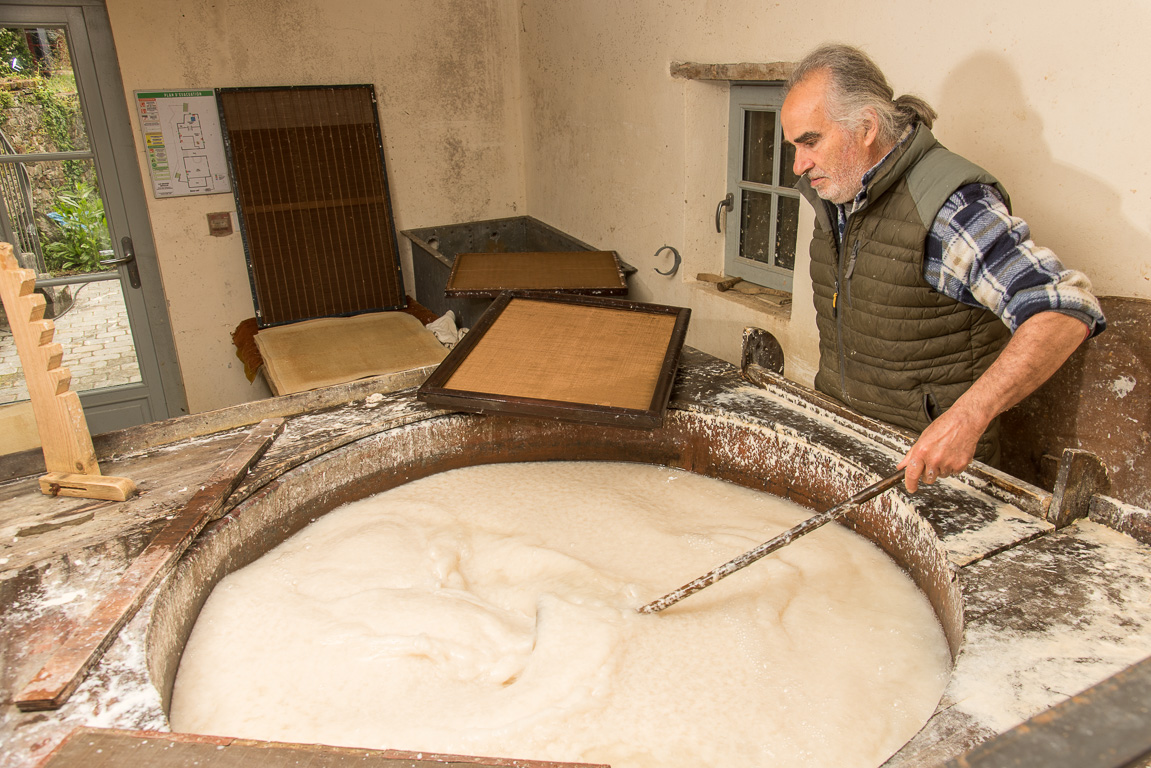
(936, 311)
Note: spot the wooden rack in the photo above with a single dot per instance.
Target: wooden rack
(68, 453)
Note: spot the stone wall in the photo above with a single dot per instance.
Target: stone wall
(35, 121)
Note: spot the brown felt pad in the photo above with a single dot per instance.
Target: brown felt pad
(334, 350)
(570, 353)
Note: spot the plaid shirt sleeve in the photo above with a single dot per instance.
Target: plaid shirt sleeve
(979, 254)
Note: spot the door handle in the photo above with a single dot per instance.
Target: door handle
(127, 260)
(728, 203)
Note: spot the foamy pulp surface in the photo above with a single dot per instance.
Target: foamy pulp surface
(491, 611)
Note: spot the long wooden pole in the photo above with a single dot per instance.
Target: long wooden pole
(780, 541)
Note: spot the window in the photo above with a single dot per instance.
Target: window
(760, 177)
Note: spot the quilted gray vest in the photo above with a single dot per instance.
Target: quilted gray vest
(890, 346)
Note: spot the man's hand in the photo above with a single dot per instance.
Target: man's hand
(1040, 345)
(945, 448)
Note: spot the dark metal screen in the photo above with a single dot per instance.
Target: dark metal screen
(312, 200)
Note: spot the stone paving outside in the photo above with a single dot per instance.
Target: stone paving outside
(97, 343)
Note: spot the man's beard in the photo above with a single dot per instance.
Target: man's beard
(846, 181)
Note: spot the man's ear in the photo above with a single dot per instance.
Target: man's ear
(870, 127)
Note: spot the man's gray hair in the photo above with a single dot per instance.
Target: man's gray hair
(855, 84)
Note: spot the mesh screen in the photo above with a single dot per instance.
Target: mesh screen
(570, 353)
(312, 197)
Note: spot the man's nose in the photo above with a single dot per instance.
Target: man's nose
(802, 163)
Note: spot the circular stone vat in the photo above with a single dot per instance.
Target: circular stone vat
(741, 451)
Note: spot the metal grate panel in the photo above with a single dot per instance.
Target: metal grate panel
(312, 200)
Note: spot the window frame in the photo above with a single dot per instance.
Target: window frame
(744, 98)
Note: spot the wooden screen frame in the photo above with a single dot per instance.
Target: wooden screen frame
(367, 280)
(435, 391)
(461, 264)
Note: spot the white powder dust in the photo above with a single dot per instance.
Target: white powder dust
(1123, 386)
(491, 611)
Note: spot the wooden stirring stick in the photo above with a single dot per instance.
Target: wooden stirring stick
(782, 540)
(68, 453)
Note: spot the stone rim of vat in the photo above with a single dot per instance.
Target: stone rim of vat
(741, 450)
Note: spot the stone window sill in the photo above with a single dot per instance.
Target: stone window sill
(748, 72)
(775, 303)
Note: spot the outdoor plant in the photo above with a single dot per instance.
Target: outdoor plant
(81, 231)
(15, 58)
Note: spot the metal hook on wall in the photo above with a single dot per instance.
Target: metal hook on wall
(674, 266)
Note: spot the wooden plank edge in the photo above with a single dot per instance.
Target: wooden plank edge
(274, 468)
(994, 482)
(1121, 516)
(134, 440)
(1108, 724)
(306, 753)
(69, 664)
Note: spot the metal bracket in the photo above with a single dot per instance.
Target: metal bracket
(1081, 476)
(762, 349)
(675, 264)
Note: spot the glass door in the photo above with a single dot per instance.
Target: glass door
(73, 210)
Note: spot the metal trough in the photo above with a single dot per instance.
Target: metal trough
(434, 250)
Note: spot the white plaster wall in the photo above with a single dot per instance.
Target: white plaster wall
(1046, 96)
(565, 110)
(446, 75)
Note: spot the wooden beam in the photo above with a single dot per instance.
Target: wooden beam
(774, 71)
(64, 437)
(70, 663)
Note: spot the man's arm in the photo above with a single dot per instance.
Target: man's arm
(981, 255)
(1040, 345)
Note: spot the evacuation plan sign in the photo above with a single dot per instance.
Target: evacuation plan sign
(183, 141)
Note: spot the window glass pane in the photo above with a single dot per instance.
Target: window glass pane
(786, 231)
(758, 146)
(42, 109)
(755, 227)
(57, 215)
(755, 251)
(787, 177)
(92, 327)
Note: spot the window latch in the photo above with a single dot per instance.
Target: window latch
(728, 203)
